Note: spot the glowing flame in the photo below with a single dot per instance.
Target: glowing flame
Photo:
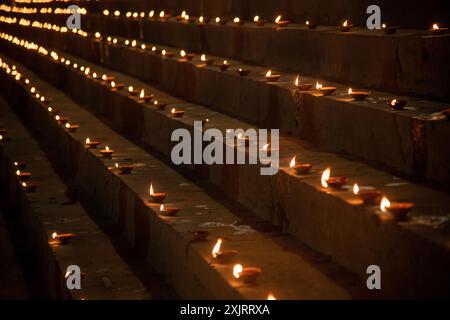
(292, 164)
(150, 191)
(270, 296)
(18, 172)
(117, 13)
(435, 26)
(355, 188)
(173, 110)
(237, 269)
(325, 176)
(345, 23)
(57, 118)
(307, 22)
(182, 53)
(225, 62)
(117, 165)
(297, 80)
(141, 95)
(385, 203)
(161, 208)
(318, 86)
(183, 13)
(106, 12)
(67, 125)
(151, 13)
(24, 184)
(383, 26)
(269, 73)
(161, 14)
(163, 52)
(236, 20)
(54, 235)
(98, 35)
(350, 91)
(113, 84)
(143, 46)
(107, 148)
(393, 102)
(256, 19)
(217, 19)
(216, 250)
(130, 88)
(133, 43)
(278, 19)
(88, 140)
(201, 19)
(203, 57)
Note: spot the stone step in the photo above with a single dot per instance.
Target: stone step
(329, 221)
(410, 142)
(12, 281)
(289, 270)
(47, 210)
(411, 62)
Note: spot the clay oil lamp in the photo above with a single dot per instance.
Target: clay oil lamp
(333, 182)
(346, 26)
(181, 16)
(177, 113)
(186, 56)
(224, 66)
(107, 152)
(28, 187)
(398, 210)
(133, 92)
(300, 168)
(272, 77)
(124, 169)
(446, 113)
(206, 61)
(156, 197)
(397, 104)
(258, 21)
(61, 119)
(248, 275)
(358, 95)
(389, 29)
(200, 235)
(436, 30)
(63, 238)
(243, 72)
(326, 91)
(19, 165)
(159, 105)
(116, 86)
(168, 211)
(23, 176)
(91, 144)
(281, 23)
(71, 127)
(167, 54)
(222, 256)
(310, 25)
(143, 98)
(368, 197)
(302, 86)
(221, 21)
(238, 21)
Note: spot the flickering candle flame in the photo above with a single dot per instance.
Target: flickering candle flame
(435, 26)
(135, 14)
(161, 14)
(350, 91)
(141, 95)
(98, 35)
(94, 75)
(216, 250)
(270, 296)
(236, 20)
(182, 53)
(130, 88)
(186, 17)
(256, 19)
(292, 164)
(237, 269)
(127, 42)
(67, 125)
(217, 19)
(153, 48)
(18, 172)
(151, 189)
(393, 102)
(307, 22)
(114, 41)
(345, 23)
(113, 84)
(117, 165)
(133, 43)
(54, 235)
(105, 12)
(355, 189)
(86, 72)
(163, 52)
(161, 208)
(57, 117)
(203, 57)
(201, 19)
(128, 14)
(88, 140)
(325, 176)
(107, 148)
(297, 80)
(384, 204)
(383, 26)
(173, 110)
(151, 14)
(269, 73)
(318, 86)
(278, 19)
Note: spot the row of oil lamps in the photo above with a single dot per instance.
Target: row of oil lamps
(247, 275)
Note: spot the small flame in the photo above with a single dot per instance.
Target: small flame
(278, 19)
(201, 19)
(225, 62)
(182, 53)
(307, 22)
(54, 235)
(150, 191)
(383, 26)
(435, 26)
(67, 125)
(236, 20)
(133, 43)
(117, 165)
(269, 73)
(256, 19)
(350, 91)
(57, 118)
(270, 296)
(98, 35)
(88, 140)
(318, 86)
(203, 57)
(237, 269)
(216, 249)
(385, 203)
(161, 208)
(393, 102)
(345, 23)
(355, 188)
(107, 148)
(141, 95)
(18, 172)
(24, 184)
(161, 14)
(113, 84)
(163, 52)
(297, 80)
(183, 13)
(325, 176)
(217, 19)
(173, 110)
(130, 88)
(292, 164)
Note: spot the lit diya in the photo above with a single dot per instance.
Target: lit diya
(168, 211)
(358, 95)
(247, 275)
(281, 23)
(326, 91)
(167, 54)
(310, 25)
(446, 113)
(145, 98)
(224, 66)
(28, 187)
(52, 111)
(107, 152)
(71, 127)
(45, 100)
(200, 235)
(346, 26)
(301, 168)
(181, 16)
(302, 86)
(19, 165)
(124, 169)
(133, 92)
(186, 56)
(333, 182)
(238, 21)
(61, 119)
(436, 30)
(368, 197)
(63, 238)
(91, 144)
(108, 78)
(177, 113)
(159, 105)
(206, 61)
(272, 77)
(221, 21)
(203, 20)
(398, 210)
(243, 72)
(389, 29)
(116, 86)
(397, 104)
(258, 21)
(222, 256)
(157, 197)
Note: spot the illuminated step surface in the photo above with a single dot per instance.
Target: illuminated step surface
(301, 205)
(289, 270)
